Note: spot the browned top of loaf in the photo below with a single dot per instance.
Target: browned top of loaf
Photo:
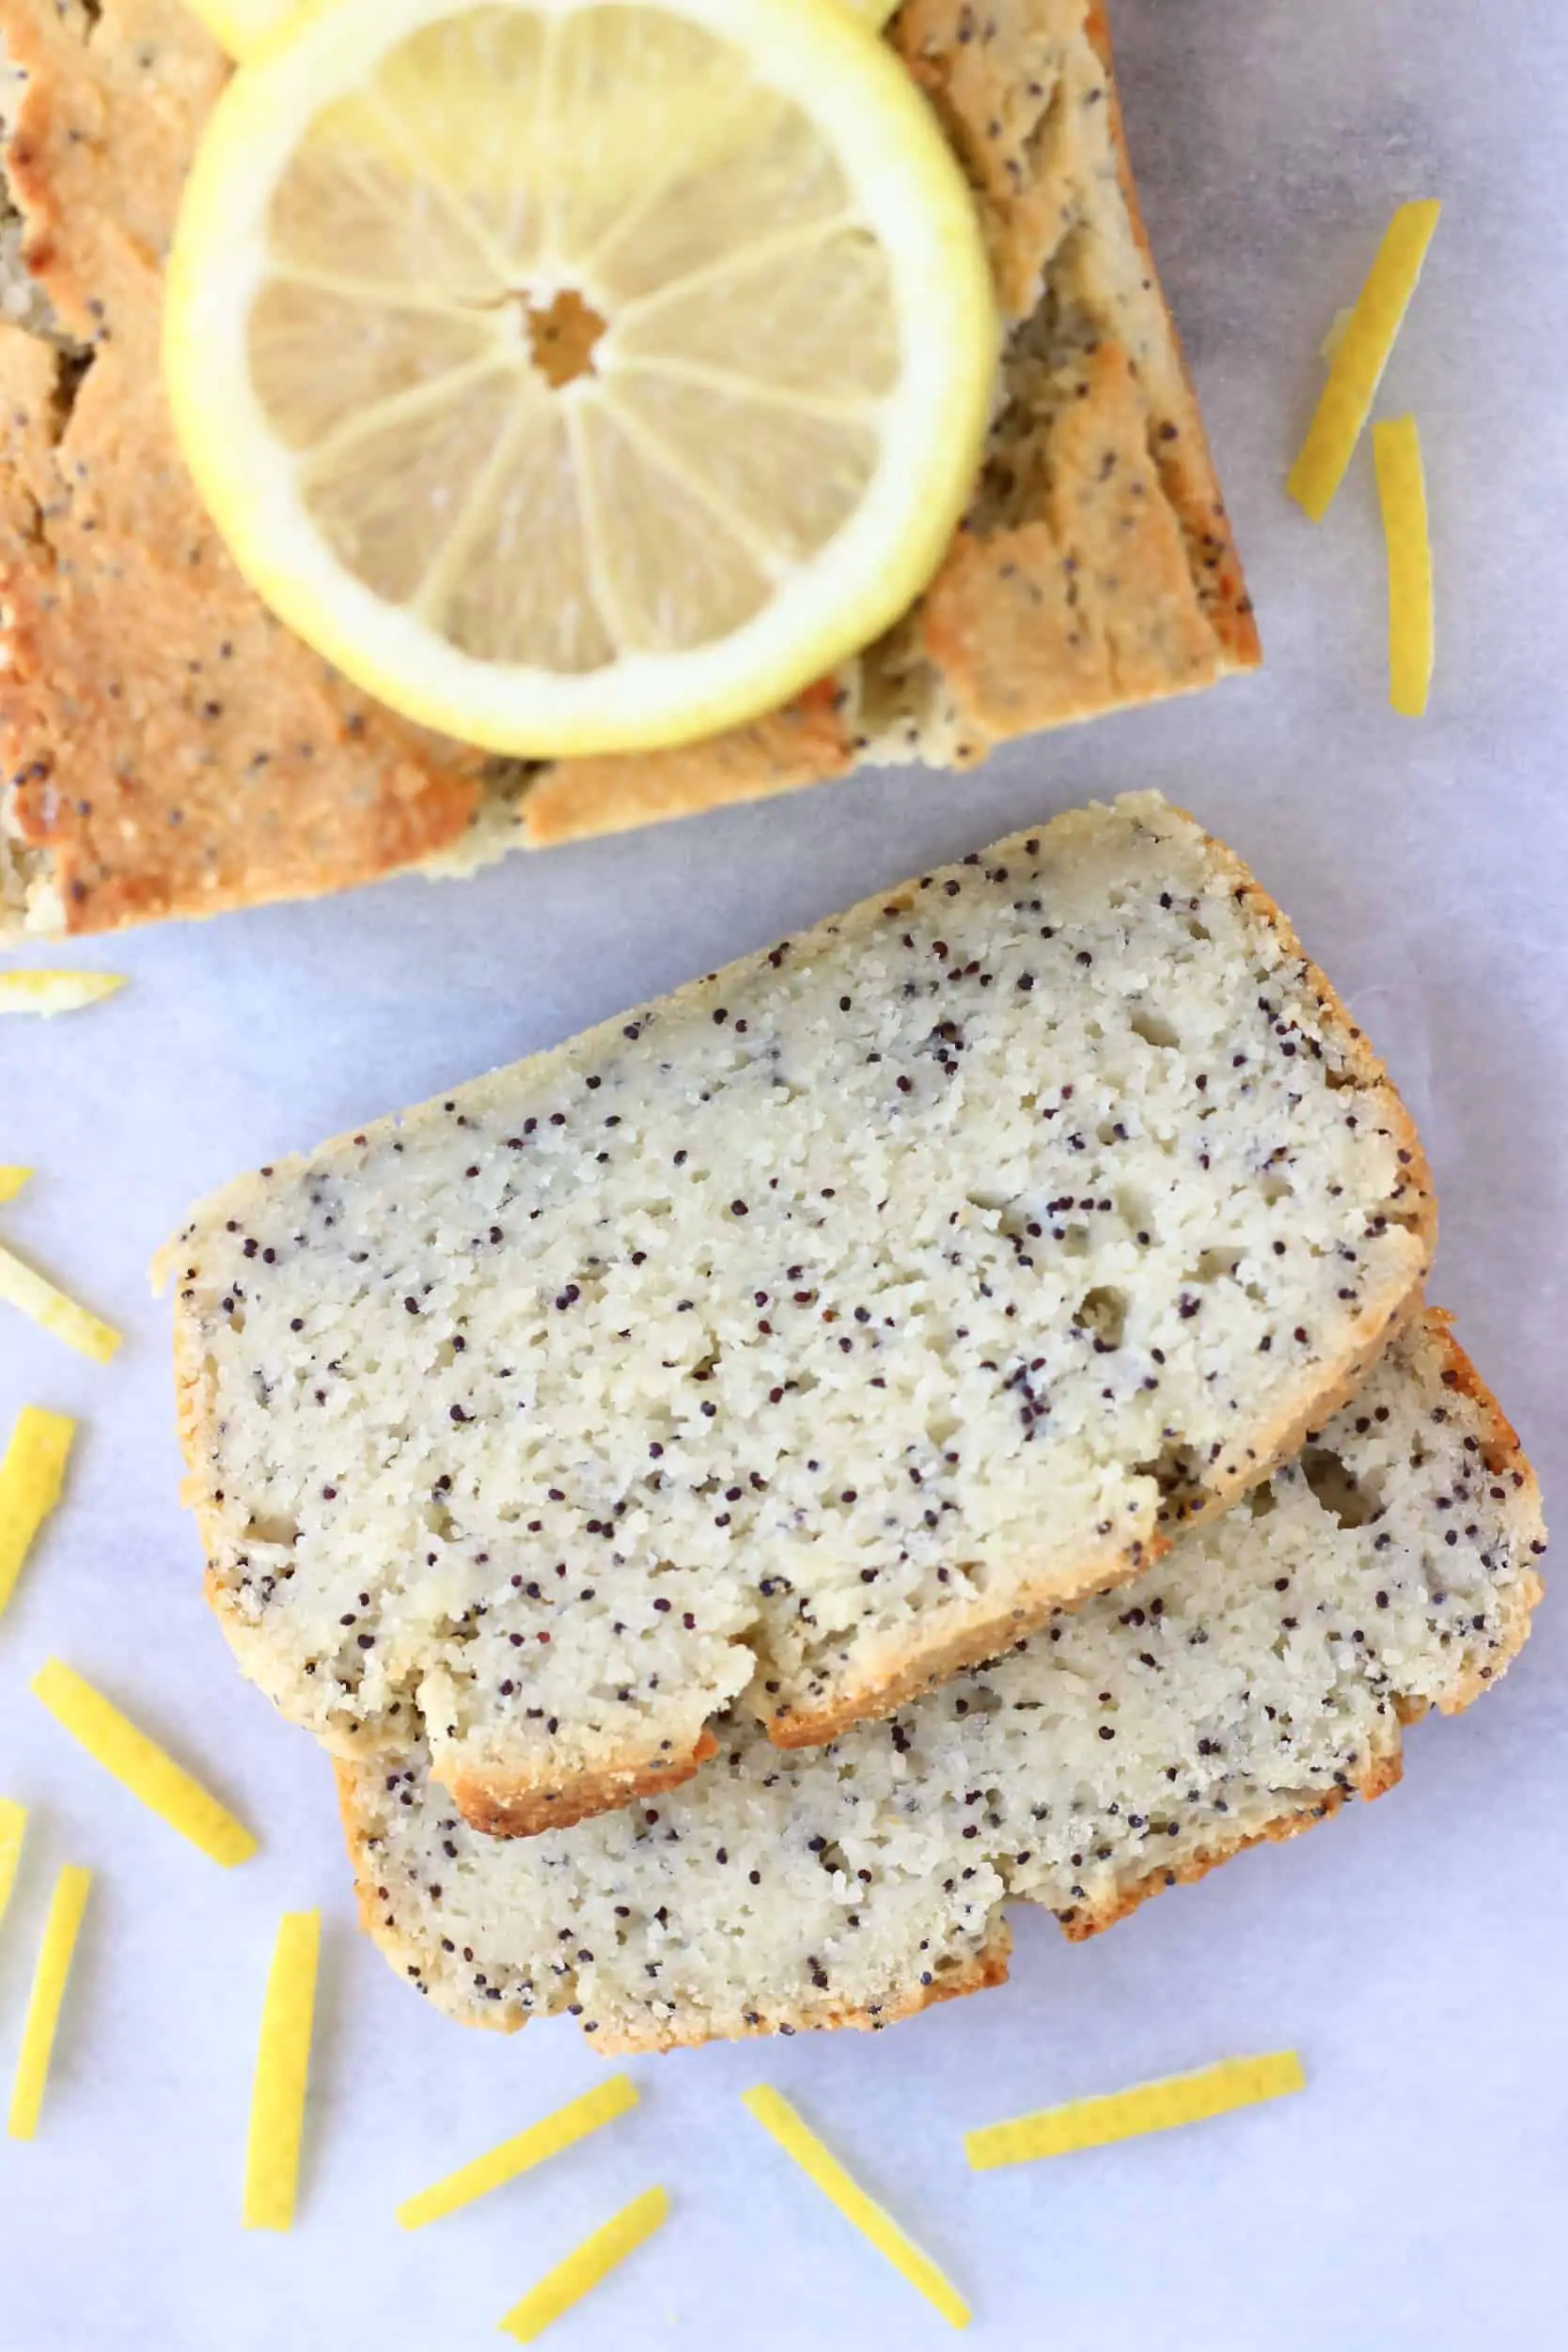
(172, 750)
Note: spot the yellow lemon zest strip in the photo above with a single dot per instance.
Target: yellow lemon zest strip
(13, 1829)
(55, 992)
(282, 2072)
(1128, 2114)
(794, 2136)
(68, 1901)
(584, 2269)
(22, 1286)
(1402, 494)
(141, 1765)
(547, 2138)
(31, 1476)
(1360, 357)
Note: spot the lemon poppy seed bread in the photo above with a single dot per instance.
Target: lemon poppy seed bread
(166, 748)
(1258, 1678)
(809, 1334)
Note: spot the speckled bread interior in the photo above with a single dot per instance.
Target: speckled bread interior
(165, 748)
(1251, 1684)
(807, 1335)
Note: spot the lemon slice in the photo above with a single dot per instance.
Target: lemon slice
(580, 376)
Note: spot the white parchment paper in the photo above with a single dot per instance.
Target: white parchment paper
(1413, 1951)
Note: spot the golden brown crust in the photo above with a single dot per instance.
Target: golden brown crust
(806, 743)
(980, 1975)
(1087, 608)
(1180, 442)
(173, 751)
(1116, 560)
(1079, 1924)
(513, 1808)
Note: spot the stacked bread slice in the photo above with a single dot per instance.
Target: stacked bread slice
(686, 1405)
(1251, 1681)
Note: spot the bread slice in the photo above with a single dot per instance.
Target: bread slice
(1256, 1681)
(812, 1332)
(167, 749)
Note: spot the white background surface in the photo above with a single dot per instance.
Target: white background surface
(1414, 1951)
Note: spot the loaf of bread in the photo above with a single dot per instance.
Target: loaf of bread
(165, 748)
(810, 1334)
(1250, 1684)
